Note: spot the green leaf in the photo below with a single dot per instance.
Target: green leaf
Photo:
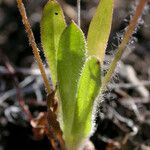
(88, 89)
(70, 60)
(99, 29)
(52, 26)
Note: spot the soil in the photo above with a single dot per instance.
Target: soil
(123, 119)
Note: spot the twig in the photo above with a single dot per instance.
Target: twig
(129, 85)
(131, 103)
(138, 100)
(79, 12)
(33, 44)
(23, 71)
(38, 92)
(11, 71)
(109, 141)
(129, 73)
(25, 90)
(123, 119)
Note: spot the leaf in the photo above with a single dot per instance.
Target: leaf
(99, 29)
(39, 125)
(54, 129)
(70, 60)
(121, 48)
(88, 89)
(52, 26)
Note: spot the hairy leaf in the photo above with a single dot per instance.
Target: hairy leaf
(99, 29)
(70, 60)
(52, 26)
(89, 86)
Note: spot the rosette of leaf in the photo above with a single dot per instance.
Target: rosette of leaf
(75, 66)
(78, 75)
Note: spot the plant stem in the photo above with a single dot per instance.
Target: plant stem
(79, 12)
(33, 44)
(125, 41)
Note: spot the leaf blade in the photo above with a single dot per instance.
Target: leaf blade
(88, 89)
(70, 60)
(52, 25)
(99, 30)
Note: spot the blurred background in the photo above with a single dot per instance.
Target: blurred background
(123, 120)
